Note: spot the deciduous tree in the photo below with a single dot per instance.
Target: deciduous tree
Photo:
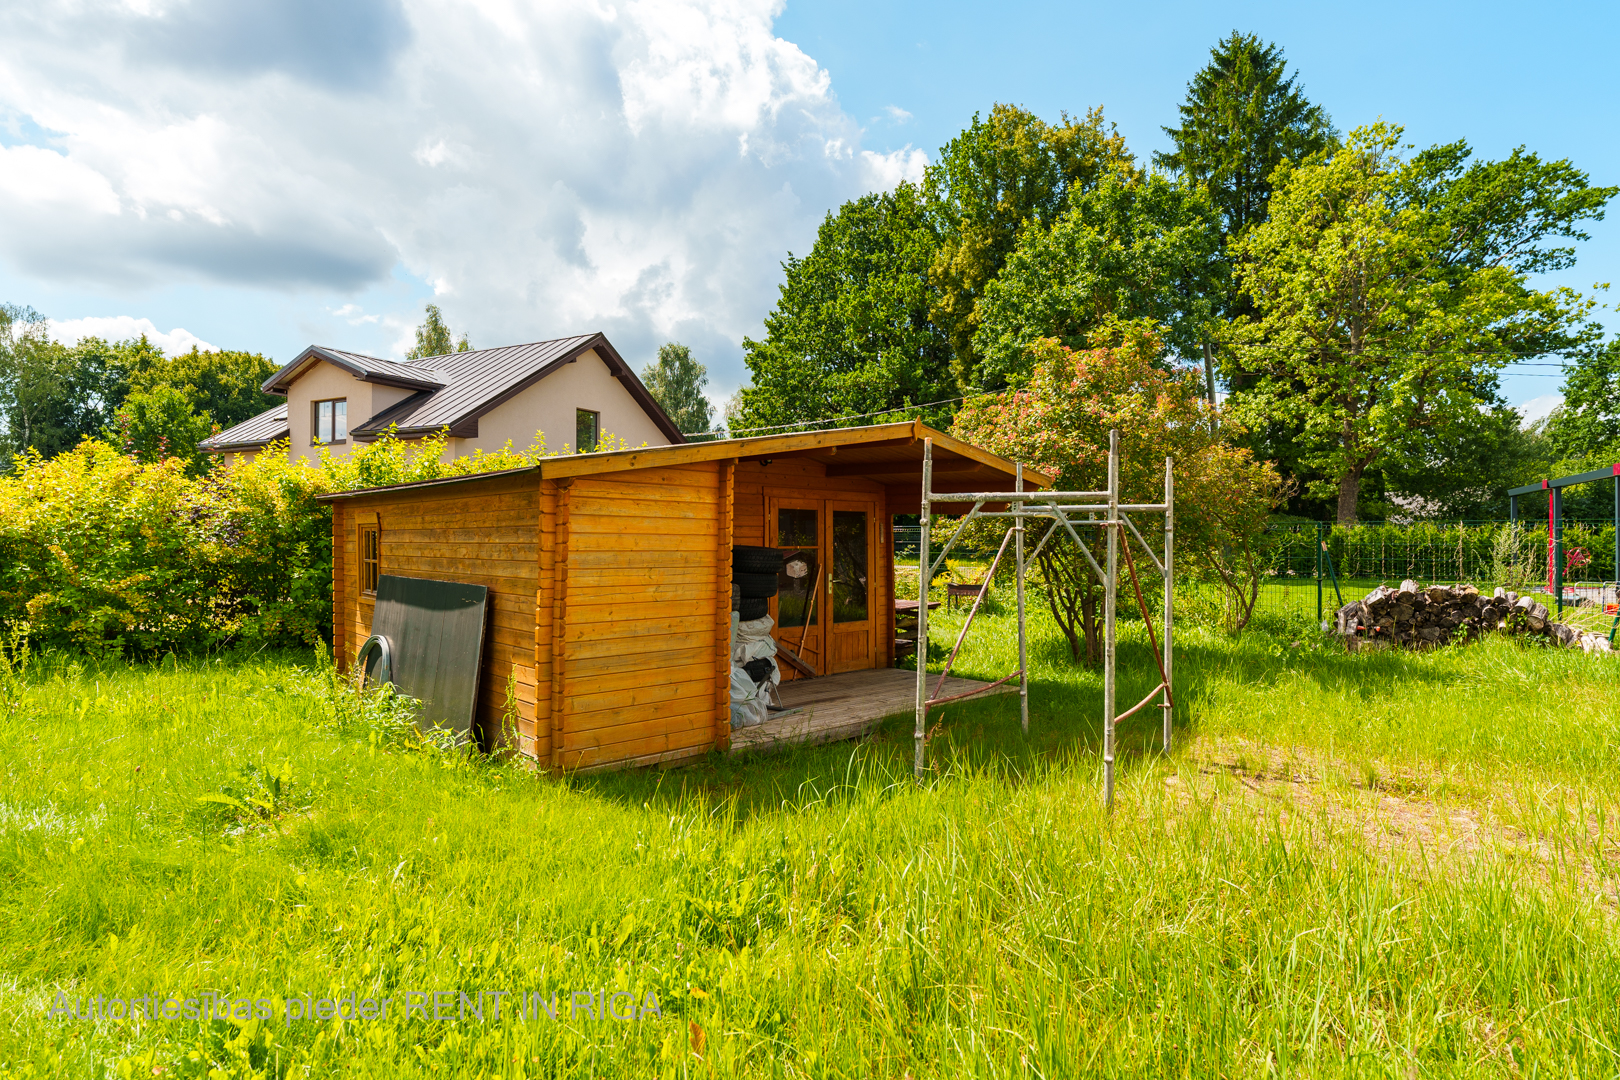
(1059, 423)
(851, 332)
(160, 422)
(433, 337)
(1004, 171)
(223, 384)
(1132, 247)
(1367, 340)
(53, 395)
(1589, 419)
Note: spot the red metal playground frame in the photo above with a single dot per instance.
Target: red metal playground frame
(1555, 521)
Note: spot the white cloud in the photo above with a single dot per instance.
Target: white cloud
(42, 179)
(354, 315)
(639, 168)
(896, 113)
(1539, 408)
(126, 328)
(884, 171)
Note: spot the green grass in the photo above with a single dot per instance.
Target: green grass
(1352, 865)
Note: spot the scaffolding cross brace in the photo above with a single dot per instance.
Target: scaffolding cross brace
(1068, 510)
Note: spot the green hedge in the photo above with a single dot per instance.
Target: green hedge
(104, 553)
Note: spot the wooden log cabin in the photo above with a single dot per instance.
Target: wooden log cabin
(609, 574)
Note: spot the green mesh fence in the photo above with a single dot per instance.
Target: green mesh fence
(1302, 583)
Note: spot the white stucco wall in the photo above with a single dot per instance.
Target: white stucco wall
(325, 381)
(548, 406)
(545, 408)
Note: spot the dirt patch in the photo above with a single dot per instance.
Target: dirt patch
(1438, 819)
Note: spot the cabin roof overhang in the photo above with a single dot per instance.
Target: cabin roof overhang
(890, 455)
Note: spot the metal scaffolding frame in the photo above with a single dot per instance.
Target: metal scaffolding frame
(1555, 525)
(1102, 510)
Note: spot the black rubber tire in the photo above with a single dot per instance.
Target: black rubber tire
(756, 560)
(750, 608)
(755, 586)
(382, 670)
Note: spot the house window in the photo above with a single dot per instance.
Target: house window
(330, 422)
(587, 430)
(370, 559)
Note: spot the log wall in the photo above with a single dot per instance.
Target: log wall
(637, 579)
(479, 533)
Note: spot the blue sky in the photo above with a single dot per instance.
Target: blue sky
(640, 169)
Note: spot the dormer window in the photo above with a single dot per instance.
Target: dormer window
(330, 422)
(587, 430)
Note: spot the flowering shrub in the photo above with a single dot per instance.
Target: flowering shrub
(104, 552)
(1059, 423)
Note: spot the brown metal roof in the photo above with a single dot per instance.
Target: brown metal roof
(409, 374)
(456, 389)
(250, 434)
(887, 454)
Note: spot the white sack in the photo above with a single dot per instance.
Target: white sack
(742, 687)
(753, 640)
(748, 713)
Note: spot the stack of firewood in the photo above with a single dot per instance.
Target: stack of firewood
(1416, 618)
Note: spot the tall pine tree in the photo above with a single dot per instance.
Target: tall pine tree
(1244, 115)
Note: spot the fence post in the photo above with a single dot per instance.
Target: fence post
(1558, 547)
(1319, 543)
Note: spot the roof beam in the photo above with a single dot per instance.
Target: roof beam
(904, 468)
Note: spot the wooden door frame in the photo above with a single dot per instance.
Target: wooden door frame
(871, 507)
(816, 652)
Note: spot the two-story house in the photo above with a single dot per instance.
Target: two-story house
(572, 390)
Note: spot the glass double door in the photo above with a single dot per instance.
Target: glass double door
(825, 603)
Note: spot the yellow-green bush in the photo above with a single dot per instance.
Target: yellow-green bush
(102, 552)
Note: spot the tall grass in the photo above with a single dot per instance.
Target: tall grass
(817, 913)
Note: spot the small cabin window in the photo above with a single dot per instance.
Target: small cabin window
(330, 422)
(370, 559)
(587, 430)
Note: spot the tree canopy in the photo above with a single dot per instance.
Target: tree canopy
(1588, 422)
(1244, 115)
(53, 395)
(1132, 247)
(433, 337)
(851, 332)
(1059, 422)
(1504, 213)
(1366, 337)
(1002, 172)
(224, 384)
(676, 382)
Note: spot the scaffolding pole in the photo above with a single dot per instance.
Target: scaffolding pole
(1068, 509)
(1023, 643)
(1169, 587)
(920, 754)
(1110, 591)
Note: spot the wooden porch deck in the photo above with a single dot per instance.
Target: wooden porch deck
(844, 706)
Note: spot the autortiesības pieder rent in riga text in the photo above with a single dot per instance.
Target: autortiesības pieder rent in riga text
(484, 1006)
